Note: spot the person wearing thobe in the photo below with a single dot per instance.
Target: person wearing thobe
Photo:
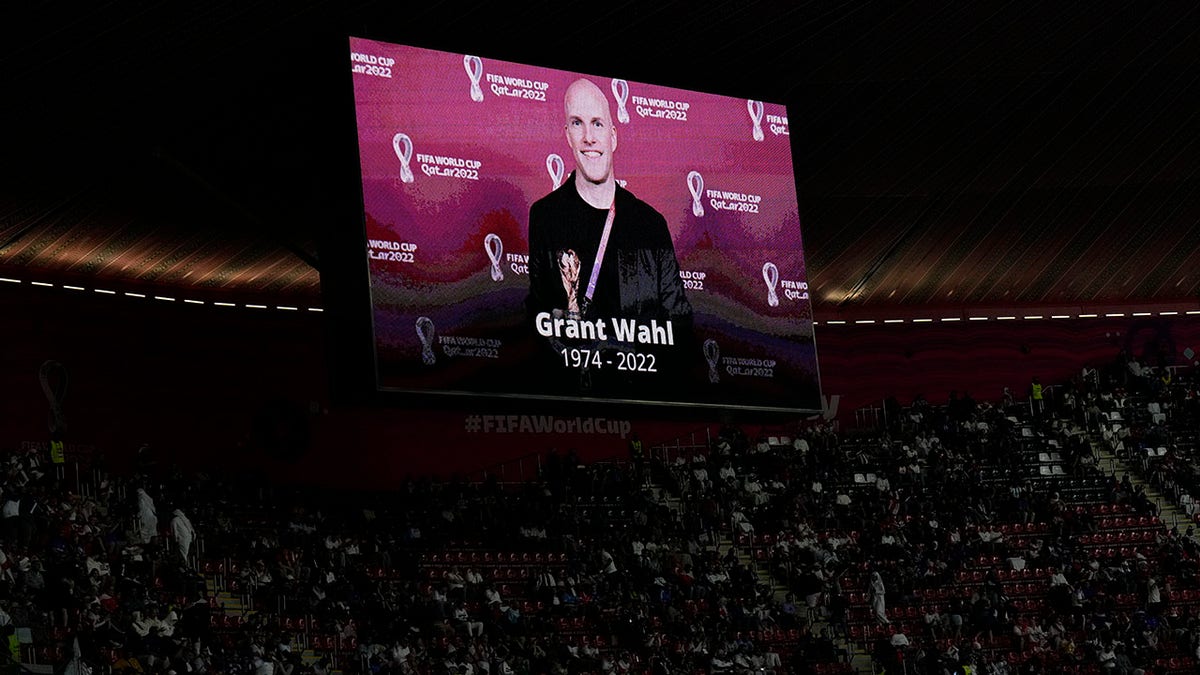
(878, 598)
(147, 517)
(184, 533)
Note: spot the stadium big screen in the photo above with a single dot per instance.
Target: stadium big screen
(539, 233)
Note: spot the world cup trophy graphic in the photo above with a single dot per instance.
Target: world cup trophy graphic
(755, 108)
(695, 183)
(712, 354)
(474, 68)
(425, 333)
(771, 277)
(568, 267)
(493, 245)
(402, 145)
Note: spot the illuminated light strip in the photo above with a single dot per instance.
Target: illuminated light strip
(951, 318)
(1005, 318)
(1167, 313)
(893, 320)
(977, 318)
(1035, 316)
(1192, 311)
(865, 321)
(133, 294)
(1088, 316)
(1115, 314)
(1060, 316)
(834, 322)
(1141, 314)
(922, 320)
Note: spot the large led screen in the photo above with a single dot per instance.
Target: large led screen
(540, 233)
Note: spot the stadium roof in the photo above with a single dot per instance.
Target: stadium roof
(1024, 153)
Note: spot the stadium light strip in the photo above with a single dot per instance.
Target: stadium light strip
(1029, 317)
(164, 298)
(829, 322)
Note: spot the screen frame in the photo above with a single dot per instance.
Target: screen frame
(351, 311)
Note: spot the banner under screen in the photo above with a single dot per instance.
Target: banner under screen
(540, 233)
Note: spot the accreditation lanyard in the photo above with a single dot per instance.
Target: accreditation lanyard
(591, 287)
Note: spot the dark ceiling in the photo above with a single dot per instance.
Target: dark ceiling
(950, 153)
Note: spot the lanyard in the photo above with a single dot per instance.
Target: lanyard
(591, 287)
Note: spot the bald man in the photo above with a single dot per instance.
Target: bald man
(638, 274)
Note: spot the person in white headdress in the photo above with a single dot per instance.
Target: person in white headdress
(878, 598)
(184, 533)
(147, 517)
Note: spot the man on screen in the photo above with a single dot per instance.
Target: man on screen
(638, 275)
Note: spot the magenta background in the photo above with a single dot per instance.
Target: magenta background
(428, 98)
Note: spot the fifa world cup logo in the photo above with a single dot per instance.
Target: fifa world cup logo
(712, 354)
(425, 333)
(474, 68)
(695, 183)
(554, 167)
(402, 145)
(494, 247)
(771, 278)
(620, 90)
(755, 108)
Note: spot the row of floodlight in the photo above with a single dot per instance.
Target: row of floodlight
(828, 322)
(163, 298)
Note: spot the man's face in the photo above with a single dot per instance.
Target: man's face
(590, 131)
